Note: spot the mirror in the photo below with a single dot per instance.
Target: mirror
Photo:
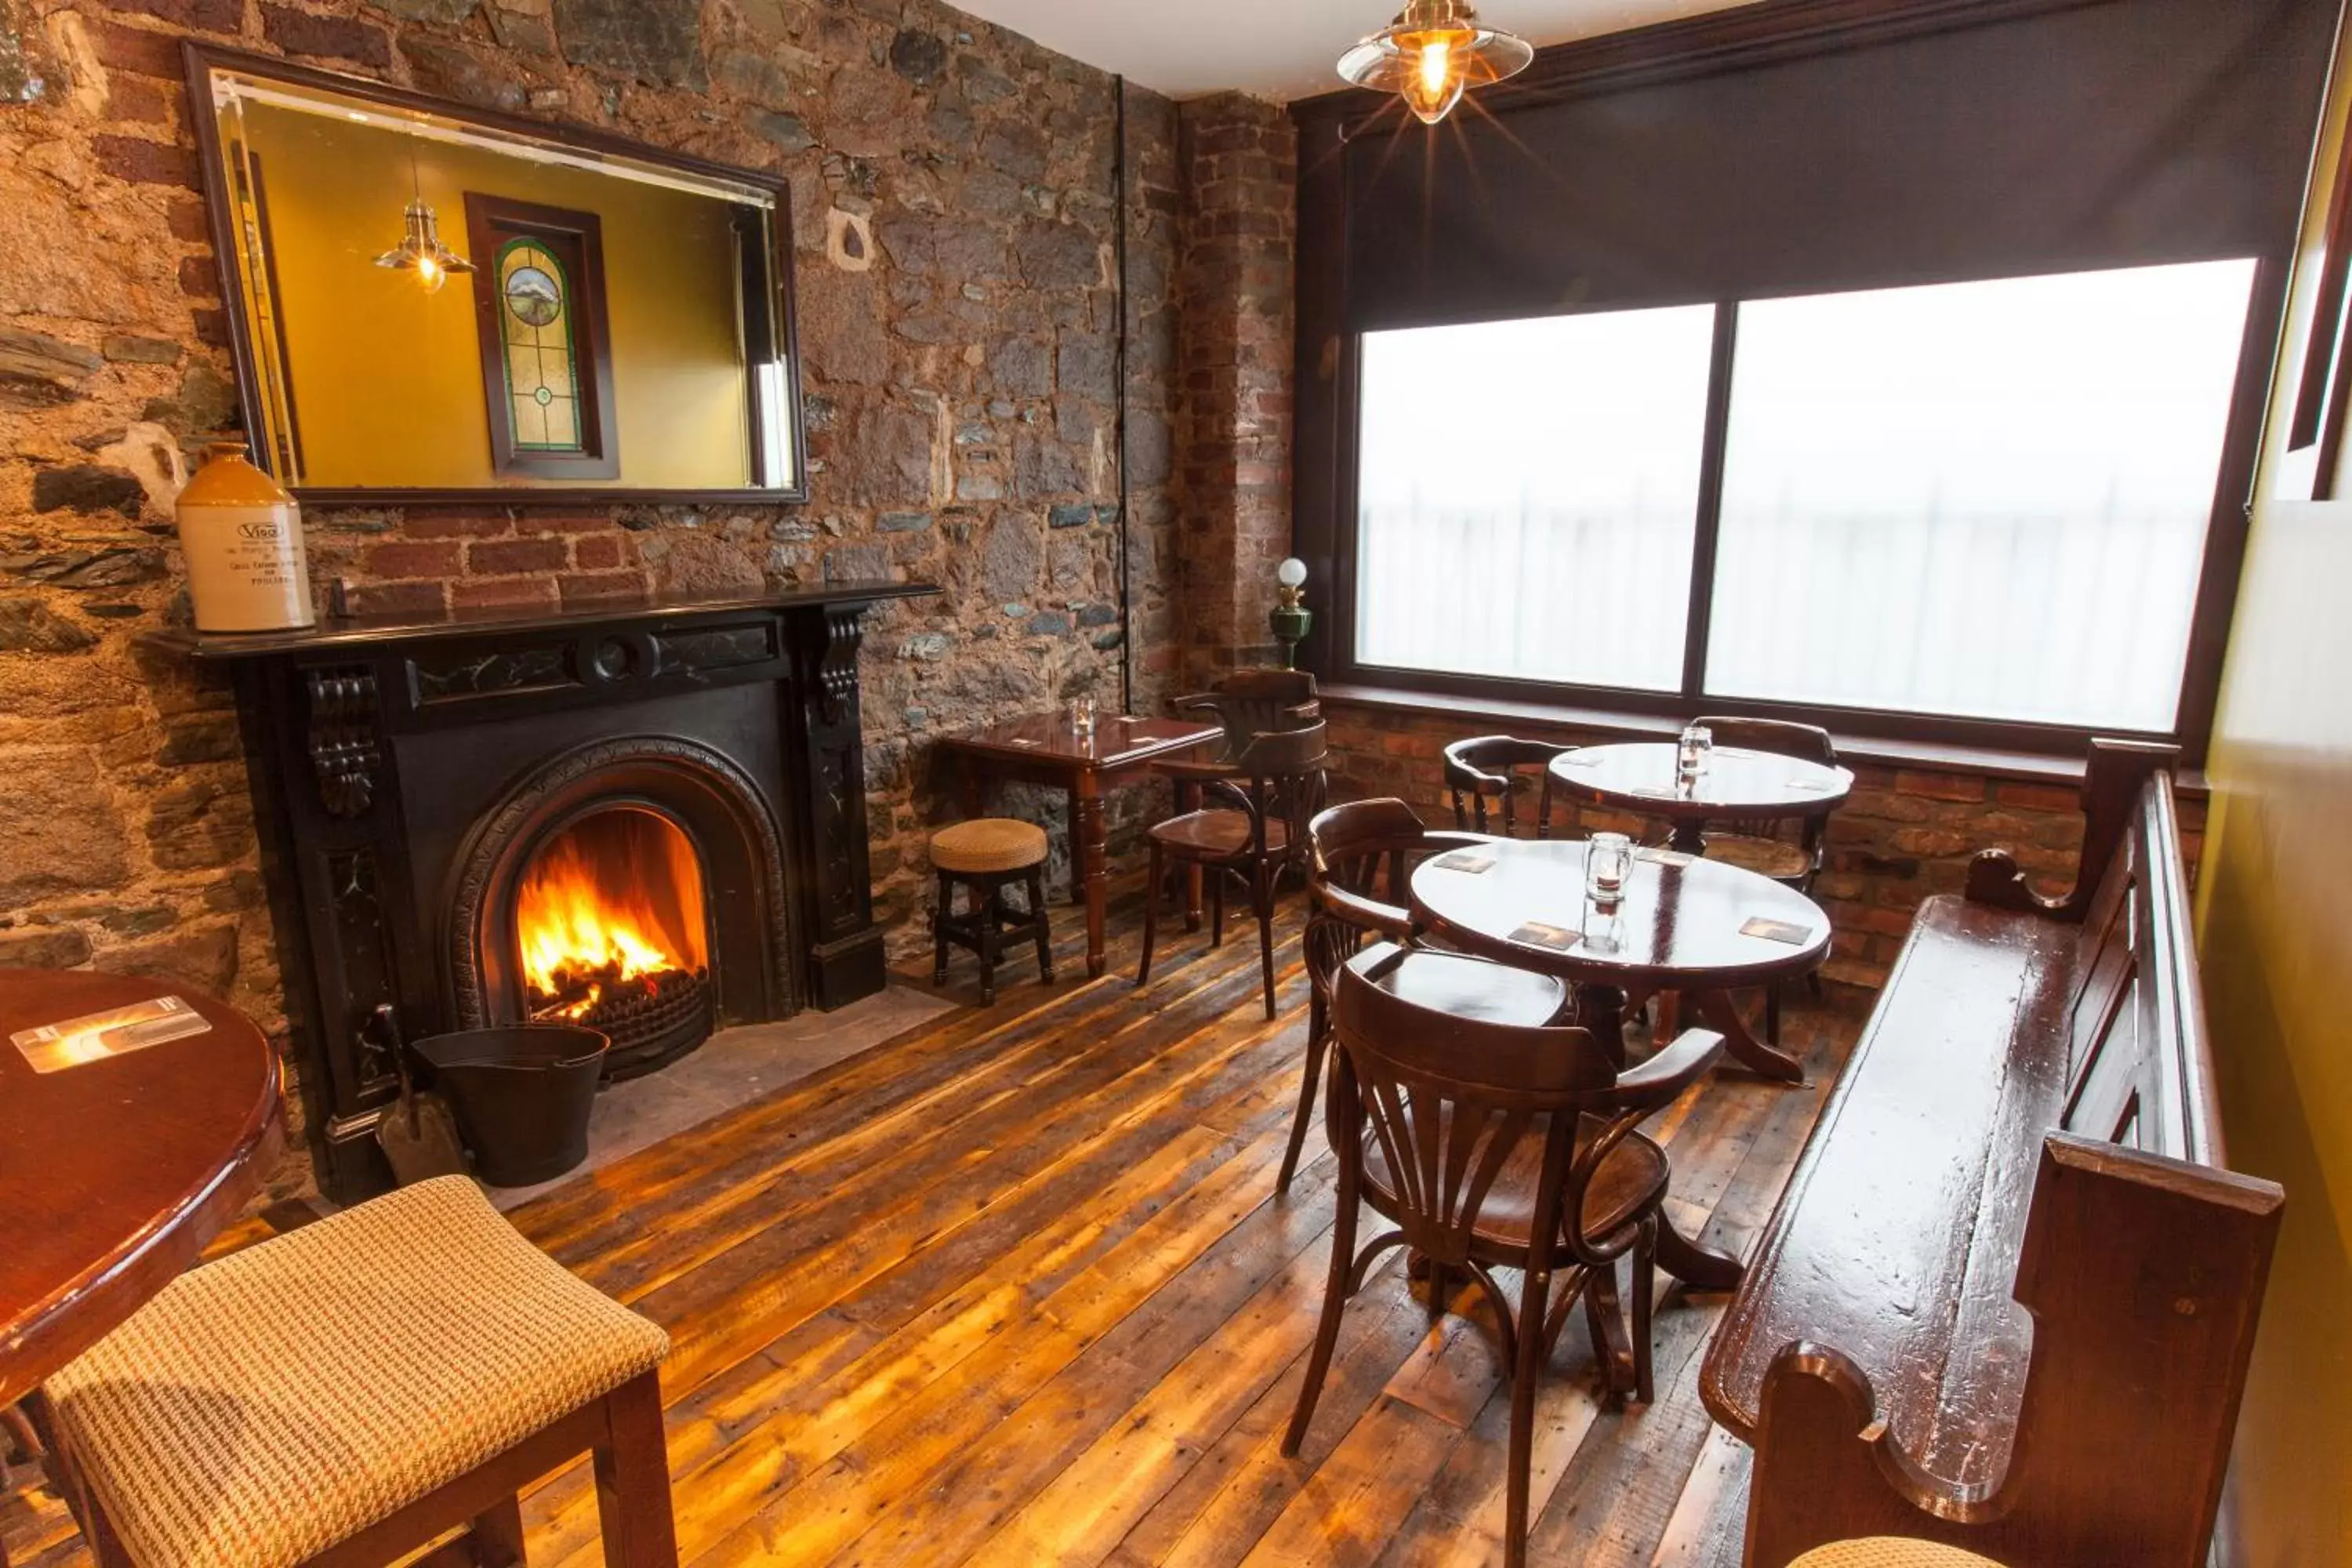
(430, 303)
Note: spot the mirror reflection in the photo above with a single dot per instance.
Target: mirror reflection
(436, 304)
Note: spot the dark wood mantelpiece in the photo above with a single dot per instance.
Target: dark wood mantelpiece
(342, 632)
(402, 766)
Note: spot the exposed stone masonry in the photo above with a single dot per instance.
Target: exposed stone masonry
(952, 213)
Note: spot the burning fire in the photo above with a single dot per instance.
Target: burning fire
(604, 906)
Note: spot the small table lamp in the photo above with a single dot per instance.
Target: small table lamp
(1291, 619)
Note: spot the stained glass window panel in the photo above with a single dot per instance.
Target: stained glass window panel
(542, 365)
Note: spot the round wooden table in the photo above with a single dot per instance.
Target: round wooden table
(1677, 929)
(115, 1173)
(1737, 785)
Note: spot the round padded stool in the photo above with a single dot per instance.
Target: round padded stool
(1890, 1551)
(985, 856)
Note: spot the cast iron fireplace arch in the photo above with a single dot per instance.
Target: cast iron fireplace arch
(700, 791)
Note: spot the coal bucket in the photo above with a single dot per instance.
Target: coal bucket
(522, 1096)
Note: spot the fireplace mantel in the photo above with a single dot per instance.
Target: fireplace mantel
(387, 754)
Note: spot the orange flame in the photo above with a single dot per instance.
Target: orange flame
(619, 898)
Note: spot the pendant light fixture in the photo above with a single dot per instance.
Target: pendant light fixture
(420, 250)
(1434, 52)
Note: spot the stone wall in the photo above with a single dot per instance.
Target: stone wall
(1904, 834)
(953, 215)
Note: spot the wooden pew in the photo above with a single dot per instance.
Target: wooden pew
(2008, 1298)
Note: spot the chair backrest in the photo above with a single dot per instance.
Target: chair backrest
(1806, 742)
(1489, 768)
(1448, 1101)
(1253, 703)
(1359, 860)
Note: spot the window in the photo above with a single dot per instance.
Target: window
(1527, 496)
(1981, 501)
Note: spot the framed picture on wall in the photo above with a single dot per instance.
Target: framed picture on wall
(2323, 391)
(539, 306)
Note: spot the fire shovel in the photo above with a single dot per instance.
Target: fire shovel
(419, 1133)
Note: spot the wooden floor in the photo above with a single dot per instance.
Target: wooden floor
(1015, 1289)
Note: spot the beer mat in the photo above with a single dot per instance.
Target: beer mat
(118, 1031)
(1658, 857)
(1778, 930)
(1534, 933)
(1470, 862)
(1027, 741)
(1572, 760)
(1646, 792)
(1813, 786)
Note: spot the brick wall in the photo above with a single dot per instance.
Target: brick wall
(1241, 165)
(959, 386)
(1904, 834)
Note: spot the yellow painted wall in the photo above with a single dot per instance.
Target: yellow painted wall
(387, 384)
(2275, 924)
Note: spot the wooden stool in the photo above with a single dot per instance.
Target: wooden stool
(347, 1392)
(1890, 1551)
(986, 855)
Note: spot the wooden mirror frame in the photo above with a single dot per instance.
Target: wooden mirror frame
(201, 62)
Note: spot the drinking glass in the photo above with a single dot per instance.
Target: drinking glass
(1082, 718)
(1690, 756)
(1608, 867)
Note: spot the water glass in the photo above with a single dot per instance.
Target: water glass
(1082, 718)
(1690, 756)
(1608, 867)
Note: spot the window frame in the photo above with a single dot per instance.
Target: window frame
(1328, 383)
(1332, 655)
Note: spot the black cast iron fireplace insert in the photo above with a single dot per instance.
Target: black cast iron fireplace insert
(646, 817)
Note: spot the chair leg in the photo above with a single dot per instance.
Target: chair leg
(941, 912)
(1217, 907)
(1151, 910)
(1525, 1374)
(1316, 1027)
(1327, 1331)
(1645, 1302)
(633, 1480)
(987, 917)
(1604, 1312)
(1037, 917)
(496, 1535)
(1772, 1014)
(1262, 900)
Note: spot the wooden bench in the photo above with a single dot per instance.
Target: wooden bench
(2007, 1300)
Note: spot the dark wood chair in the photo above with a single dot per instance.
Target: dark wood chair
(1492, 1145)
(1266, 789)
(1791, 850)
(1360, 857)
(1253, 702)
(1490, 768)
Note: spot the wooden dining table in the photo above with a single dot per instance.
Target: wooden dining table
(115, 1172)
(1684, 925)
(1046, 749)
(1737, 785)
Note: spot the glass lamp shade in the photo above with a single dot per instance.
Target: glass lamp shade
(1291, 573)
(421, 251)
(1431, 54)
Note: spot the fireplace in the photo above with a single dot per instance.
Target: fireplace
(646, 818)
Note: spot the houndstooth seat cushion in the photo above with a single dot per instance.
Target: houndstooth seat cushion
(266, 1406)
(1888, 1552)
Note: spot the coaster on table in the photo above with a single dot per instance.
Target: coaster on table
(1470, 862)
(118, 1031)
(1027, 741)
(1534, 933)
(1648, 793)
(1658, 855)
(1572, 760)
(1778, 930)
(1813, 786)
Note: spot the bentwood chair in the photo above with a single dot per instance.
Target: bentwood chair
(1791, 850)
(1266, 789)
(1490, 768)
(1360, 858)
(1494, 1145)
(1253, 703)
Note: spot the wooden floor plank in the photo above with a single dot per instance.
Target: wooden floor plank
(1015, 1289)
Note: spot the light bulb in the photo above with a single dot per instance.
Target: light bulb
(1291, 573)
(1436, 65)
(429, 273)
